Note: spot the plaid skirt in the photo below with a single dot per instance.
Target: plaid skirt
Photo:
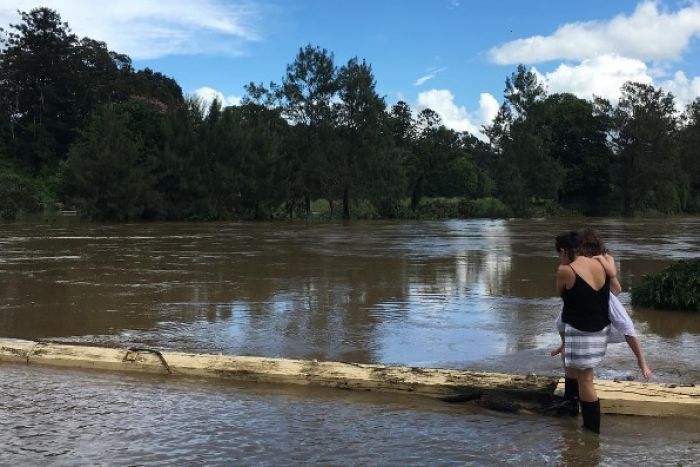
(584, 349)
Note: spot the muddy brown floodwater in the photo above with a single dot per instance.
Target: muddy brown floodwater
(475, 294)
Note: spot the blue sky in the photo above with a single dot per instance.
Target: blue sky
(451, 55)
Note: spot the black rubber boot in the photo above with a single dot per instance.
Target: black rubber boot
(569, 405)
(591, 415)
(571, 396)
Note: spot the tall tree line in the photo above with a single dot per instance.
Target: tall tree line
(81, 127)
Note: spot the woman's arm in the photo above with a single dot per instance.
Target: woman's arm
(559, 349)
(565, 279)
(633, 342)
(561, 327)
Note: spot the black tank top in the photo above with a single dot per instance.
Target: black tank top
(585, 308)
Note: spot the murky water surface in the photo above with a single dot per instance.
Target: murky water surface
(460, 294)
(65, 417)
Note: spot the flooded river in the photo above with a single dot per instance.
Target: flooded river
(459, 294)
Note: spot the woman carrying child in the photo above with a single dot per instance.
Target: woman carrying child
(585, 284)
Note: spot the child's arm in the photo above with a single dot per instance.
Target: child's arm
(633, 342)
(608, 263)
(615, 286)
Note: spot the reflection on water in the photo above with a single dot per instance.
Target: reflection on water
(458, 293)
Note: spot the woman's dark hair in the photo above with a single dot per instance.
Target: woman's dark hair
(569, 242)
(591, 244)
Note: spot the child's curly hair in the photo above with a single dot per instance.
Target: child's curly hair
(591, 244)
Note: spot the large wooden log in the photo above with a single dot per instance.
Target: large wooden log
(633, 398)
(494, 390)
(433, 382)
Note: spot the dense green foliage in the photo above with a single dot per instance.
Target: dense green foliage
(18, 193)
(81, 128)
(676, 288)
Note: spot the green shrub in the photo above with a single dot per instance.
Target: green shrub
(17, 193)
(488, 207)
(438, 208)
(677, 287)
(429, 208)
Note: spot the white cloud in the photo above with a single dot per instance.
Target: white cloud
(146, 29)
(207, 96)
(488, 108)
(685, 90)
(647, 34)
(431, 74)
(457, 117)
(600, 76)
(604, 76)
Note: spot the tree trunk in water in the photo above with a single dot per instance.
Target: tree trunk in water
(628, 201)
(307, 205)
(416, 195)
(346, 203)
(258, 212)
